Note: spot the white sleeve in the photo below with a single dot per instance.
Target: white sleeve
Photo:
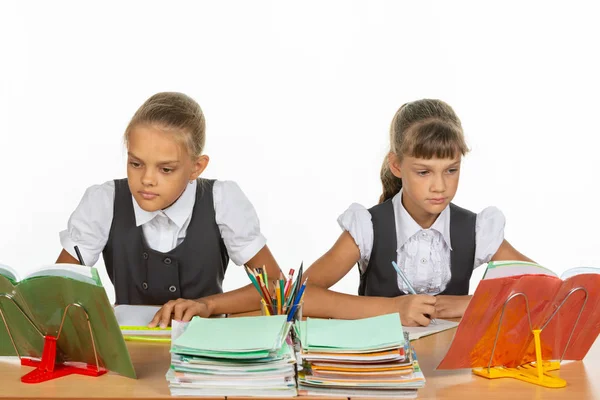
(357, 221)
(237, 221)
(89, 225)
(489, 234)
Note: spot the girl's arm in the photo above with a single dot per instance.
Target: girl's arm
(455, 306)
(237, 301)
(319, 301)
(508, 253)
(65, 258)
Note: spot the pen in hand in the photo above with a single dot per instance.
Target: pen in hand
(79, 256)
(408, 285)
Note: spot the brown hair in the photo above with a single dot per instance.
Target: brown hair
(425, 129)
(177, 113)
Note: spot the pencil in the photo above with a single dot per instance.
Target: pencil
(288, 283)
(278, 294)
(253, 280)
(296, 285)
(262, 301)
(265, 291)
(265, 277)
(282, 291)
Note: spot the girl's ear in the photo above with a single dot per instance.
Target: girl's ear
(394, 164)
(199, 166)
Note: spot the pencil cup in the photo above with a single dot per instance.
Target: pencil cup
(268, 310)
(296, 317)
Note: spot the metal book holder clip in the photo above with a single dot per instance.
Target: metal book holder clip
(535, 372)
(47, 368)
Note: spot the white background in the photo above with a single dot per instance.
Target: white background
(298, 98)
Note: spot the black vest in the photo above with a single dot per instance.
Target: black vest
(193, 269)
(380, 277)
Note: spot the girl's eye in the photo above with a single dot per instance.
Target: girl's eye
(452, 170)
(166, 170)
(135, 164)
(422, 173)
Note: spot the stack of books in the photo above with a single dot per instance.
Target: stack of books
(370, 357)
(246, 356)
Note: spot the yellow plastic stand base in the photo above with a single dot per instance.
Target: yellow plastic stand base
(536, 373)
(526, 373)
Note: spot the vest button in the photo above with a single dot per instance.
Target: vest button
(167, 261)
(172, 289)
(145, 255)
(145, 285)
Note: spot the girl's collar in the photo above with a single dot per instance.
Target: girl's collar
(407, 227)
(178, 212)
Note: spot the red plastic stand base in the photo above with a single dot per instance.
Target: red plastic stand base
(47, 369)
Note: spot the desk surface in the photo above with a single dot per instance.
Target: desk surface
(151, 361)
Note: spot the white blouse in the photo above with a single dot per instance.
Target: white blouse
(89, 225)
(424, 254)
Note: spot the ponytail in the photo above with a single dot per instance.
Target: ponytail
(391, 183)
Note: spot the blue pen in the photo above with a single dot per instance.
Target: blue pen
(406, 282)
(296, 301)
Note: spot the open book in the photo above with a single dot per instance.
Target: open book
(568, 332)
(33, 306)
(73, 271)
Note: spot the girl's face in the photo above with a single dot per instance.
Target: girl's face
(159, 167)
(428, 186)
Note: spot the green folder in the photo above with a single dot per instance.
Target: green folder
(243, 337)
(43, 297)
(360, 335)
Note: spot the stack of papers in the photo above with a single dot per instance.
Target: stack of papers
(369, 357)
(246, 356)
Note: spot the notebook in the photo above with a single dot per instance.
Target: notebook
(134, 319)
(368, 334)
(235, 336)
(417, 332)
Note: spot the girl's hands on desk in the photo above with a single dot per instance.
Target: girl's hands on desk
(180, 310)
(416, 310)
(451, 306)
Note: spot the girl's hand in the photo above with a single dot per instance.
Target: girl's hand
(451, 306)
(180, 310)
(416, 310)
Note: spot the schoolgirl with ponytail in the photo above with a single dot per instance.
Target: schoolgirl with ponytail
(435, 243)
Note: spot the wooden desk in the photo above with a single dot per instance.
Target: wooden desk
(152, 361)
